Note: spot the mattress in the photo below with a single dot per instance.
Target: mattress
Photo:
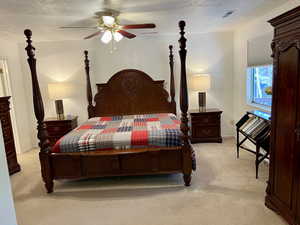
(122, 132)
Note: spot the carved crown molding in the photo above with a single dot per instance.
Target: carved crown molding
(284, 45)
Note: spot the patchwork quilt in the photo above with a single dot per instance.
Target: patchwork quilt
(122, 132)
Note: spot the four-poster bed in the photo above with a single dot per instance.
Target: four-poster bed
(128, 92)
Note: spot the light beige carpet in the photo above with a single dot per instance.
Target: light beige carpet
(224, 191)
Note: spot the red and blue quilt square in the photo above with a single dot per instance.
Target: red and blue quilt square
(139, 124)
(115, 118)
(169, 126)
(109, 130)
(105, 118)
(85, 127)
(139, 137)
(99, 126)
(152, 119)
(124, 129)
(162, 115)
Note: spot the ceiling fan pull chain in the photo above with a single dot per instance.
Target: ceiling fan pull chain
(115, 45)
(112, 46)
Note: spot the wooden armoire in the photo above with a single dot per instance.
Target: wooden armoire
(283, 191)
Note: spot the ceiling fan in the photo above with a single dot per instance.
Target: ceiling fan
(112, 30)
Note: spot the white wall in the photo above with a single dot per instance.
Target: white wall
(208, 53)
(7, 210)
(242, 34)
(9, 51)
(57, 62)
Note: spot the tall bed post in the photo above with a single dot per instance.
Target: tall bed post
(88, 85)
(42, 135)
(172, 79)
(184, 105)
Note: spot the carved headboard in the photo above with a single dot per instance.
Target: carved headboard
(131, 92)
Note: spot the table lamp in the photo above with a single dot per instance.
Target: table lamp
(201, 83)
(57, 92)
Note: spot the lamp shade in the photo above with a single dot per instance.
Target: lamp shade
(58, 91)
(106, 37)
(117, 36)
(108, 20)
(200, 82)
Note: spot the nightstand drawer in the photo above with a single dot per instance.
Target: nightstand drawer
(200, 132)
(58, 129)
(213, 119)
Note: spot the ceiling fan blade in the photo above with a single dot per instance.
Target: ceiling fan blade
(126, 34)
(139, 26)
(93, 35)
(78, 27)
(154, 32)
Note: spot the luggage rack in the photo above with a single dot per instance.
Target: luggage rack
(255, 126)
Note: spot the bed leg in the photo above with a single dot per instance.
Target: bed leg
(49, 186)
(187, 179)
(45, 161)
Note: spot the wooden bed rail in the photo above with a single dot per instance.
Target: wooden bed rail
(42, 135)
(184, 105)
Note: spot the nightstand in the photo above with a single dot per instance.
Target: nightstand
(57, 128)
(205, 125)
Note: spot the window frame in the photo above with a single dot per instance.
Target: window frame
(250, 88)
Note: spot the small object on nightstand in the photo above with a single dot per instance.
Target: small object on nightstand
(57, 128)
(205, 125)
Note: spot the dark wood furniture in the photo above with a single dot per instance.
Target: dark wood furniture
(259, 136)
(127, 92)
(206, 125)
(8, 136)
(57, 128)
(283, 191)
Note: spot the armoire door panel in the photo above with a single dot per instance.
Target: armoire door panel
(297, 157)
(287, 82)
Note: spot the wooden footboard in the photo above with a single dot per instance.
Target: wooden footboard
(88, 165)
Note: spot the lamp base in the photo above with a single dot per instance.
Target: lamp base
(202, 101)
(59, 109)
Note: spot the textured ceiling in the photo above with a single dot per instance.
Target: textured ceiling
(45, 17)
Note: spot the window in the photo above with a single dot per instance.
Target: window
(260, 85)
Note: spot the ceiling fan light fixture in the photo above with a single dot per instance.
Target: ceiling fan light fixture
(108, 20)
(106, 37)
(117, 36)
